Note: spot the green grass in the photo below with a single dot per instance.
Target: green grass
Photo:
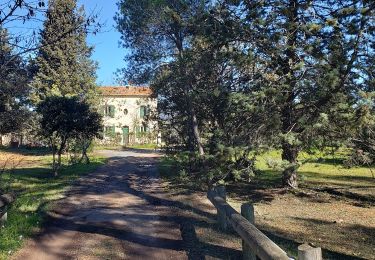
(36, 188)
(317, 170)
(120, 147)
(107, 147)
(144, 146)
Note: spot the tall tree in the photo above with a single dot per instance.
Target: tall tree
(64, 68)
(159, 34)
(13, 87)
(310, 59)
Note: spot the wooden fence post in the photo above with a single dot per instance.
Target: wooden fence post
(247, 211)
(221, 218)
(307, 252)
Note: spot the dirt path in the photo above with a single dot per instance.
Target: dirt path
(113, 213)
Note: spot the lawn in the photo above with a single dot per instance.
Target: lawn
(333, 208)
(36, 188)
(120, 147)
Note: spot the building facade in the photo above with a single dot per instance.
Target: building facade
(127, 115)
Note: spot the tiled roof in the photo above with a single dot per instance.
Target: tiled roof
(125, 91)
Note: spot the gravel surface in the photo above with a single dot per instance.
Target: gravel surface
(114, 213)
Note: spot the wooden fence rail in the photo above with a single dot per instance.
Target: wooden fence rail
(5, 201)
(255, 244)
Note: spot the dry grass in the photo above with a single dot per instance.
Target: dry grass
(334, 208)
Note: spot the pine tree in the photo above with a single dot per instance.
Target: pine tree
(309, 57)
(63, 62)
(158, 34)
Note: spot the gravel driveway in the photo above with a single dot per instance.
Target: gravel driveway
(113, 213)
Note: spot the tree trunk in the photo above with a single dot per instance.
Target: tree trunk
(85, 156)
(194, 121)
(290, 154)
(58, 163)
(54, 165)
(194, 124)
(59, 153)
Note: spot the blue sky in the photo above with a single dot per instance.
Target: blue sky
(107, 51)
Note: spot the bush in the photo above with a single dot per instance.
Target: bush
(227, 164)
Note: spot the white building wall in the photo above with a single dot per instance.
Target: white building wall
(132, 118)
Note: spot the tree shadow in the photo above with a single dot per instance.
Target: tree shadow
(27, 151)
(254, 192)
(349, 178)
(291, 246)
(367, 233)
(339, 161)
(134, 175)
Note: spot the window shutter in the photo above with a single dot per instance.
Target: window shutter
(107, 130)
(147, 110)
(112, 111)
(142, 111)
(113, 130)
(102, 110)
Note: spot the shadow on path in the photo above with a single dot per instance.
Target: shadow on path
(124, 203)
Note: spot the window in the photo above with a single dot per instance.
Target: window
(143, 111)
(141, 130)
(144, 128)
(125, 111)
(110, 111)
(109, 130)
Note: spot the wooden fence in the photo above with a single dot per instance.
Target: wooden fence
(255, 244)
(5, 201)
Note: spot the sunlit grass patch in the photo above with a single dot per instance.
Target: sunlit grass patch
(318, 169)
(36, 187)
(331, 202)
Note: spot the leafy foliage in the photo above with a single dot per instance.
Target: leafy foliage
(63, 62)
(253, 75)
(65, 119)
(159, 33)
(13, 87)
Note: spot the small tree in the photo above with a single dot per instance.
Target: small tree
(64, 119)
(90, 127)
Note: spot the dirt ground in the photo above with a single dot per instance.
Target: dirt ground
(124, 211)
(10, 160)
(339, 220)
(121, 211)
(333, 222)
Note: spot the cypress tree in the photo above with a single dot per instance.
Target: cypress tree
(63, 62)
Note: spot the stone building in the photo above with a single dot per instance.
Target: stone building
(127, 115)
